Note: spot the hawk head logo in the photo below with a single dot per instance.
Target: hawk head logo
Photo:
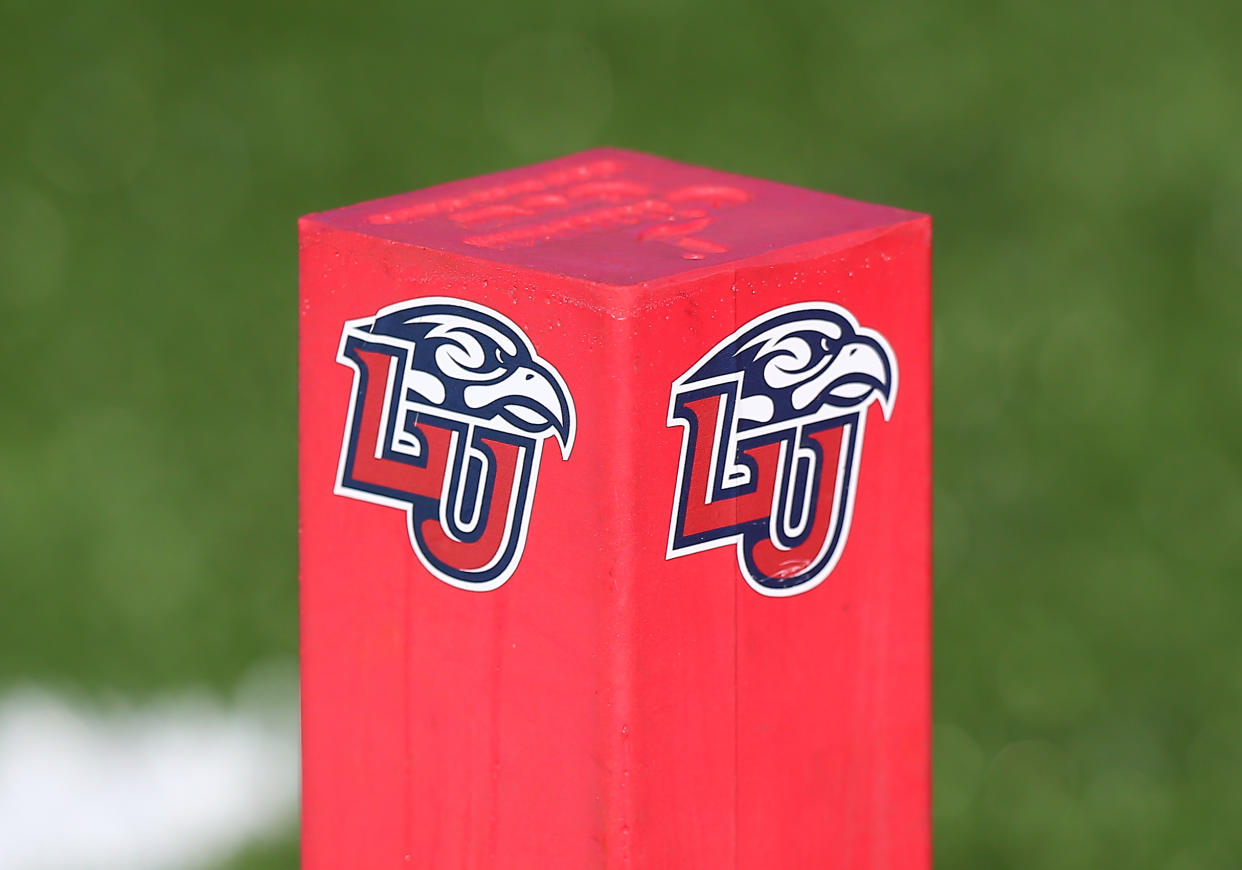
(450, 409)
(773, 421)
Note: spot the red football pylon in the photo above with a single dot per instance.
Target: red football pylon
(615, 522)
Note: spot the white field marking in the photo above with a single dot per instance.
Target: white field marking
(181, 782)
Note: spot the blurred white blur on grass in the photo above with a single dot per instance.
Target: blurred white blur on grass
(175, 783)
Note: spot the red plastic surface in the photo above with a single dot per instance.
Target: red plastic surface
(617, 689)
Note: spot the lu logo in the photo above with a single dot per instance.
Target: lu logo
(773, 421)
(450, 409)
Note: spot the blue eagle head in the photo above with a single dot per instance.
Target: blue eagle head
(471, 361)
(802, 361)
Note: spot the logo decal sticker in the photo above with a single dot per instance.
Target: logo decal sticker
(450, 409)
(774, 418)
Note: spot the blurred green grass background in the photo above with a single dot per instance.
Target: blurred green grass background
(1081, 161)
